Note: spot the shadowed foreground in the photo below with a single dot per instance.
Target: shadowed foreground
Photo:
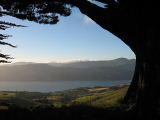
(98, 103)
(67, 113)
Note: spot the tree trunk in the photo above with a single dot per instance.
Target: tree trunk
(145, 86)
(148, 86)
(131, 95)
(137, 26)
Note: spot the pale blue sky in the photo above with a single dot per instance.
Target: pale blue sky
(74, 38)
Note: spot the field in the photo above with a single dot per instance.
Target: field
(102, 97)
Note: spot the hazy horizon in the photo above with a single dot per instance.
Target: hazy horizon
(66, 61)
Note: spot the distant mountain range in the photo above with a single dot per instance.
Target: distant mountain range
(118, 69)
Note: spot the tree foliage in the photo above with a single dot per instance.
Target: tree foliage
(39, 11)
(3, 26)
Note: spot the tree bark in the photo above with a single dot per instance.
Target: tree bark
(145, 86)
(131, 95)
(140, 34)
(136, 25)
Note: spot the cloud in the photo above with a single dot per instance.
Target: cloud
(87, 20)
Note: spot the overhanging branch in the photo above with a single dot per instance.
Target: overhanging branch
(114, 19)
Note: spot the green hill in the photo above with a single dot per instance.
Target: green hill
(97, 97)
(103, 99)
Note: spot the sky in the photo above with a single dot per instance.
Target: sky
(76, 37)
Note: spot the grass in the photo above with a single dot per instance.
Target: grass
(97, 89)
(98, 103)
(108, 98)
(6, 95)
(101, 97)
(3, 108)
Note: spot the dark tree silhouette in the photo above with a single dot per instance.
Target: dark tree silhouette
(3, 26)
(38, 11)
(134, 22)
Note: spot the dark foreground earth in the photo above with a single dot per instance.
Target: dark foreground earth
(98, 103)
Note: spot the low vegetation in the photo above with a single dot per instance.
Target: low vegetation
(96, 97)
(86, 103)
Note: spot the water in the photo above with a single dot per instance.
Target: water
(55, 85)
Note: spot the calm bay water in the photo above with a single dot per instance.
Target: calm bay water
(55, 85)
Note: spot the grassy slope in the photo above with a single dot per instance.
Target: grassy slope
(97, 97)
(104, 99)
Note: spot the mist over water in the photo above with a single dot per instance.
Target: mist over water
(50, 77)
(55, 85)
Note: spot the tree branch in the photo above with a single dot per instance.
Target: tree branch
(4, 61)
(109, 2)
(113, 19)
(10, 24)
(4, 25)
(5, 43)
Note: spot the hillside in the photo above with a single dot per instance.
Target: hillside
(118, 69)
(102, 97)
(98, 103)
